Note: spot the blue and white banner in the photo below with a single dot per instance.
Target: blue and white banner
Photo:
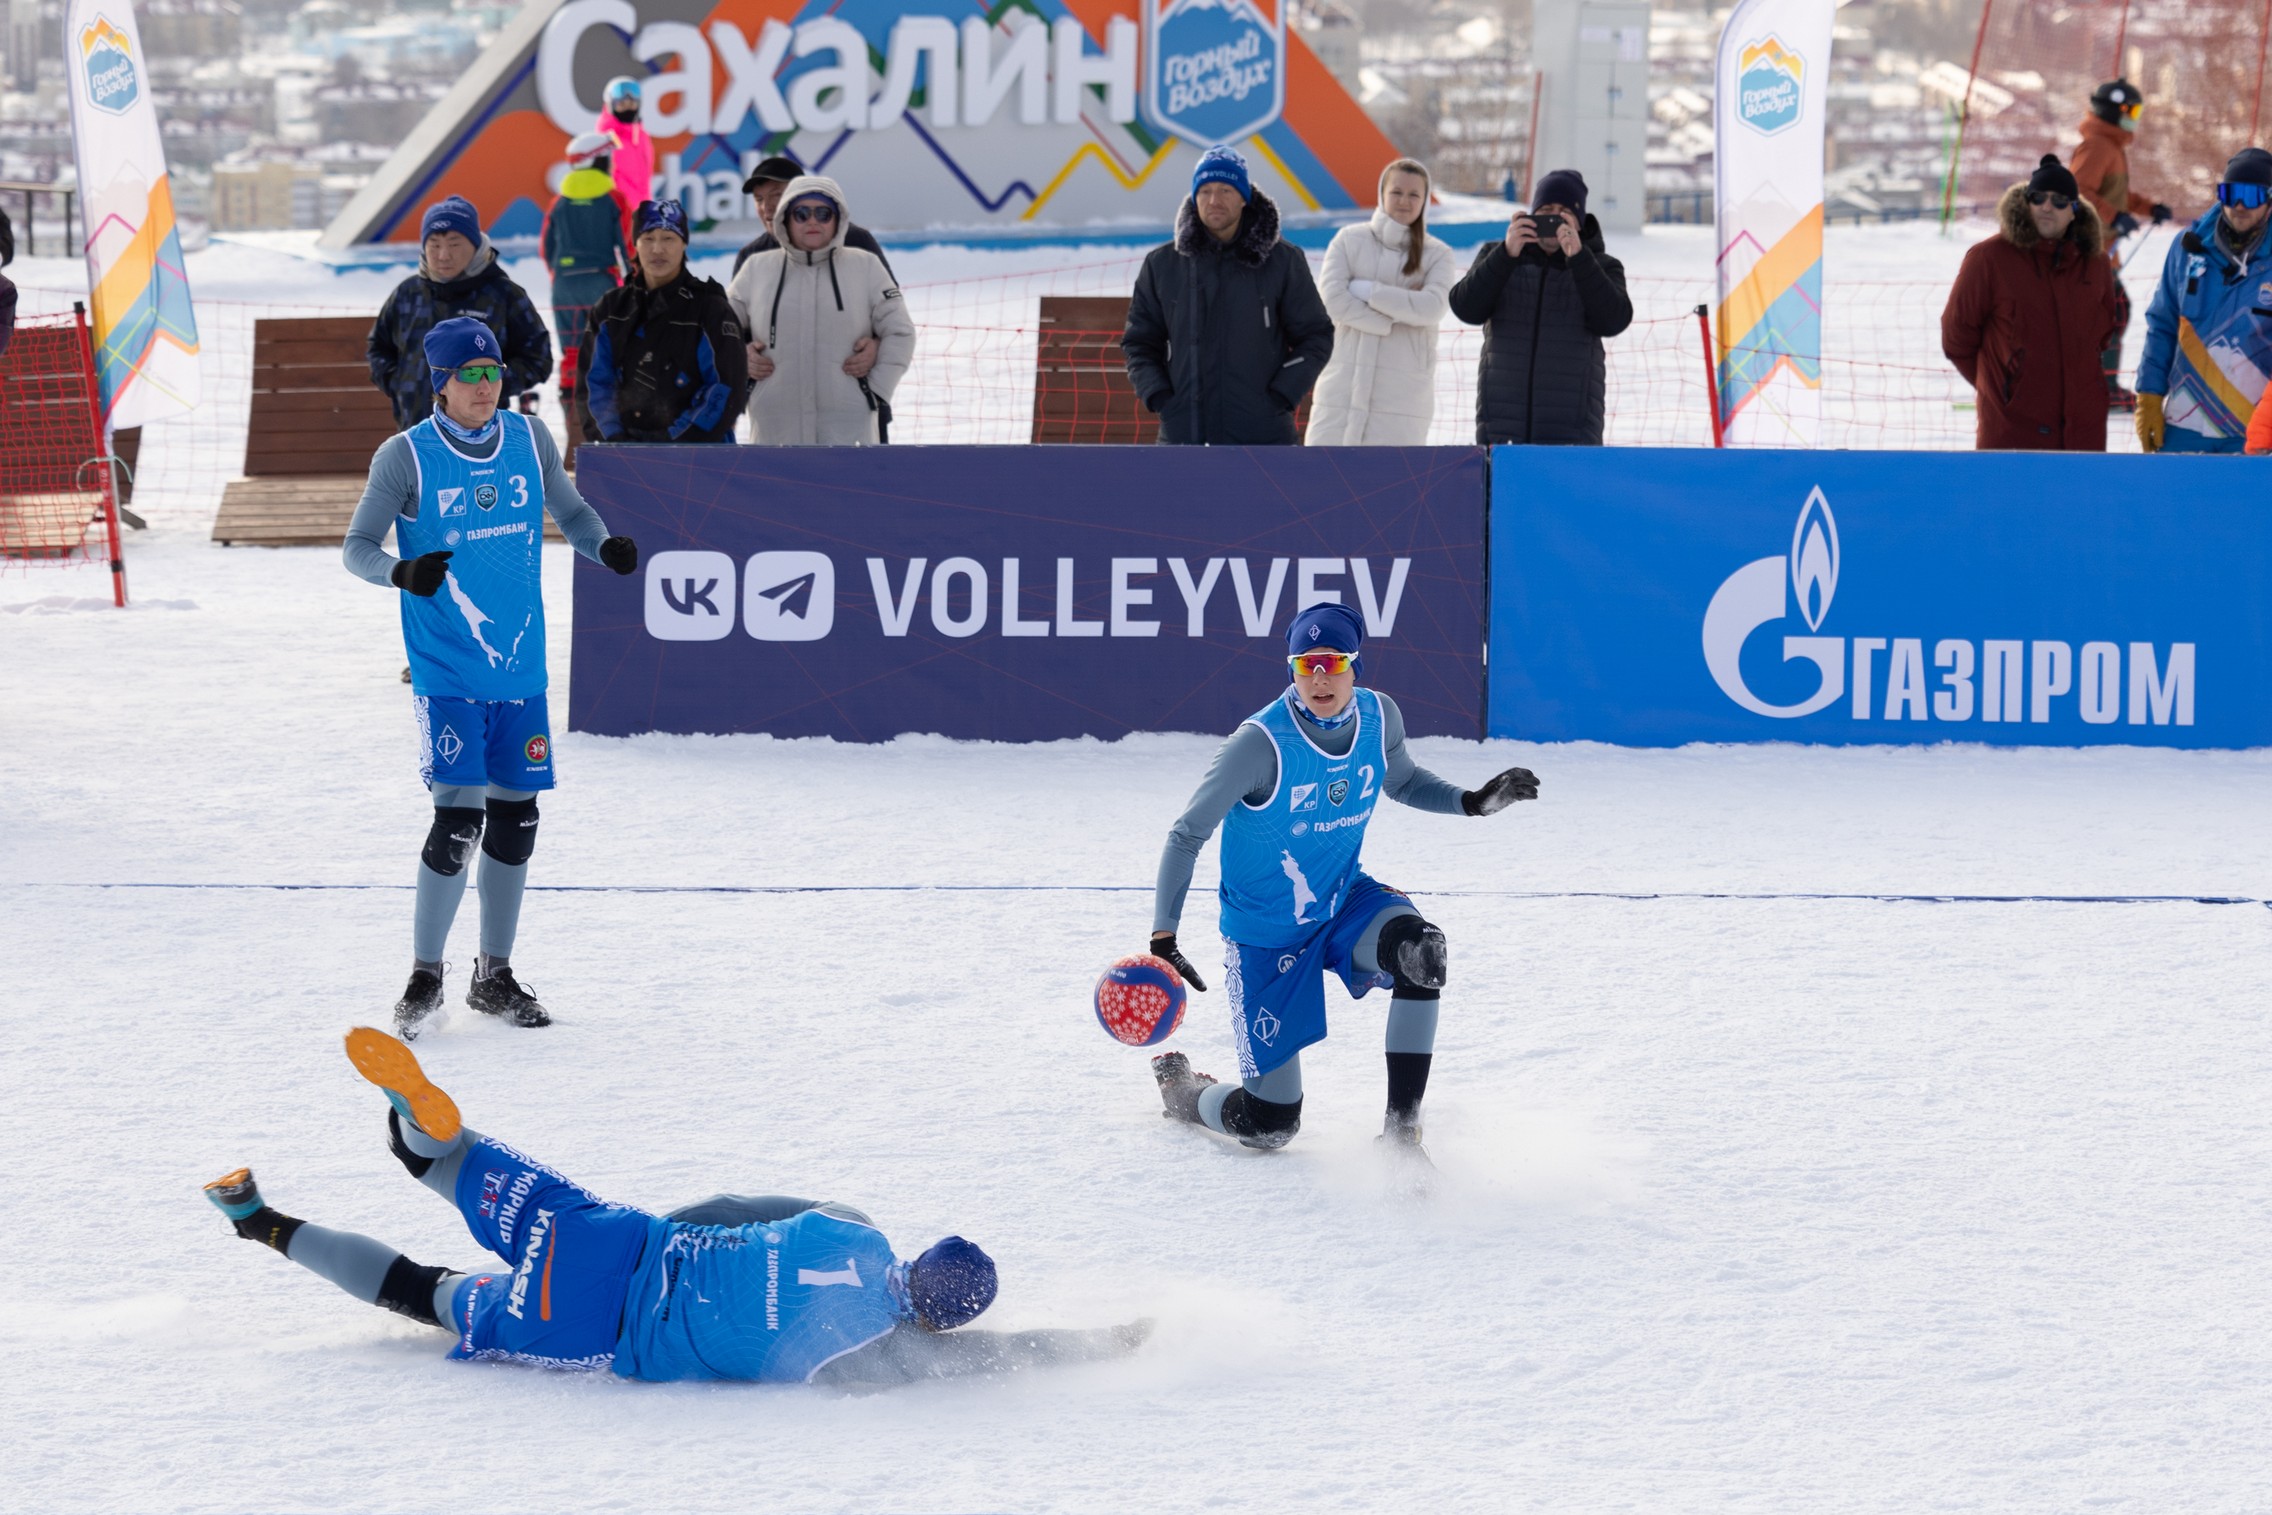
(1214, 70)
(1018, 593)
(2062, 599)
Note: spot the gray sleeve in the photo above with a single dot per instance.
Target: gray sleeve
(1407, 782)
(391, 489)
(579, 523)
(1245, 768)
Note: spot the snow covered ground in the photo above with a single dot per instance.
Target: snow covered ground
(1760, 1204)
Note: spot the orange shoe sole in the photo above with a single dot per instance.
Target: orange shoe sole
(391, 1065)
(231, 1179)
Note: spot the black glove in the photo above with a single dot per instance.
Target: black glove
(620, 554)
(1164, 946)
(2162, 213)
(2124, 224)
(420, 575)
(1495, 796)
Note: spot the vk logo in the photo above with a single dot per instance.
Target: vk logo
(1755, 594)
(690, 596)
(789, 596)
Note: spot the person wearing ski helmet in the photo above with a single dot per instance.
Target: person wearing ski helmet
(2101, 166)
(634, 169)
(2207, 347)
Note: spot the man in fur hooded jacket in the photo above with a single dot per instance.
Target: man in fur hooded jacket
(1226, 331)
(2032, 308)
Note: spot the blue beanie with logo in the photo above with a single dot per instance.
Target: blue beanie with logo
(1331, 626)
(454, 214)
(452, 344)
(951, 1284)
(1220, 165)
(659, 215)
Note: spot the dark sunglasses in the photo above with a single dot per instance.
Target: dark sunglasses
(2246, 196)
(807, 213)
(2048, 197)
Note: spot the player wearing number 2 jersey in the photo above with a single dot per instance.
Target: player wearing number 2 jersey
(466, 491)
(1298, 783)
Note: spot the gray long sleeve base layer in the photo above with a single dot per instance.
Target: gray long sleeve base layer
(392, 490)
(1246, 768)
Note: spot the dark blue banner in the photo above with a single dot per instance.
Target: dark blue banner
(1018, 593)
(1651, 598)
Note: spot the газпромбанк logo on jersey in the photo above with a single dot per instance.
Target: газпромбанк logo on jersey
(1989, 679)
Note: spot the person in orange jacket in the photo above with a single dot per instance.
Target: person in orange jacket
(2101, 165)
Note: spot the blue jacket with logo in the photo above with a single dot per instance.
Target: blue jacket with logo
(2209, 337)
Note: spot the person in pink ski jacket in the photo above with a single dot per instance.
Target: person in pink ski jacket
(634, 168)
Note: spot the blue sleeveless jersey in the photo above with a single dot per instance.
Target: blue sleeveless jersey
(764, 1302)
(1288, 862)
(481, 636)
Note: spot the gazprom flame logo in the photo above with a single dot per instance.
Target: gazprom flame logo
(1760, 592)
(1768, 79)
(113, 84)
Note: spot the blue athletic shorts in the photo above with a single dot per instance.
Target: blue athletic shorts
(474, 742)
(569, 1257)
(1277, 994)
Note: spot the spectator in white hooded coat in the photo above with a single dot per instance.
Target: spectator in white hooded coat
(1386, 284)
(827, 326)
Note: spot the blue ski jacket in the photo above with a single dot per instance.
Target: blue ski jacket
(2209, 336)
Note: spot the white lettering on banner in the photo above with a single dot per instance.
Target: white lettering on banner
(964, 79)
(1126, 597)
(1195, 595)
(1258, 616)
(2161, 693)
(895, 612)
(1067, 626)
(1014, 625)
(1231, 71)
(1308, 590)
(942, 588)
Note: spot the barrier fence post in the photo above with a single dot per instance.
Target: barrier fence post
(110, 492)
(1711, 374)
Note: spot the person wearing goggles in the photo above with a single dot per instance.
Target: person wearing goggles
(633, 166)
(2207, 346)
(2101, 165)
(466, 492)
(2030, 311)
(1297, 785)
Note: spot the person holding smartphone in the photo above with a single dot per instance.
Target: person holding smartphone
(1547, 294)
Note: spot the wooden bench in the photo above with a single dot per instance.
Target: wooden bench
(316, 420)
(1081, 391)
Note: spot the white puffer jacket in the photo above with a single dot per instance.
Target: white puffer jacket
(1380, 387)
(809, 308)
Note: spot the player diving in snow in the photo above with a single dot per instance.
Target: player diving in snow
(765, 1289)
(1298, 782)
(466, 491)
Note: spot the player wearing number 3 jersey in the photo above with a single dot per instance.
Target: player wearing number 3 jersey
(1298, 783)
(466, 491)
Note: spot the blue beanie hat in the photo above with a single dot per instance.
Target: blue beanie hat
(452, 344)
(454, 214)
(951, 1284)
(1564, 186)
(1220, 165)
(1334, 626)
(668, 215)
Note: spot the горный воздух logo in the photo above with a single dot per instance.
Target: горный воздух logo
(1990, 679)
(113, 84)
(1214, 70)
(1768, 84)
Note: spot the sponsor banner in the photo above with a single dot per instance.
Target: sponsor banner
(145, 334)
(1045, 114)
(1773, 89)
(1018, 593)
(1651, 598)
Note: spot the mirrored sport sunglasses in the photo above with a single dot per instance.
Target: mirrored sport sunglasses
(480, 373)
(812, 212)
(2246, 196)
(2134, 109)
(1334, 663)
(2047, 197)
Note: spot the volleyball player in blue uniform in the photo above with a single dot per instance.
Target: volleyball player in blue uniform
(1298, 783)
(766, 1289)
(466, 491)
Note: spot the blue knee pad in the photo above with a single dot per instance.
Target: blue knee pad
(511, 838)
(449, 841)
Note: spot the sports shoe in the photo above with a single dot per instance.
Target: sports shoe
(1179, 1086)
(236, 1194)
(1425, 959)
(419, 1003)
(394, 1067)
(1400, 1139)
(498, 993)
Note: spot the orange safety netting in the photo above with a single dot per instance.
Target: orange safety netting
(54, 478)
